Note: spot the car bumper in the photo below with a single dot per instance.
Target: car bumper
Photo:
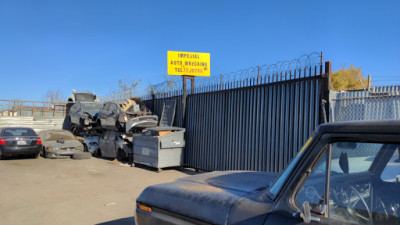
(59, 154)
(14, 151)
(161, 217)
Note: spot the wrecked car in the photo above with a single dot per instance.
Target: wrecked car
(113, 144)
(346, 173)
(82, 115)
(91, 144)
(130, 116)
(82, 96)
(77, 96)
(61, 144)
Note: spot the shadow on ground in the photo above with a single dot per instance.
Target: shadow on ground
(123, 221)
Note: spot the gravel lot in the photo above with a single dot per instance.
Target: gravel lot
(64, 191)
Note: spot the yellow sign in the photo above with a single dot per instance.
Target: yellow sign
(189, 63)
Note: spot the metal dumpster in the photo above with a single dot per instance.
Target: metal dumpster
(159, 147)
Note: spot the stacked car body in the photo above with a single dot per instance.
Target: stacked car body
(118, 122)
(107, 130)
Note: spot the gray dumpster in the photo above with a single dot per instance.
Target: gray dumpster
(159, 147)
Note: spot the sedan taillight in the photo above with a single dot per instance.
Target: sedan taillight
(39, 141)
(2, 141)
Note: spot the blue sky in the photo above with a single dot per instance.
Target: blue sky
(91, 44)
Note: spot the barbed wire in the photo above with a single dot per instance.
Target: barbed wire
(272, 71)
(303, 66)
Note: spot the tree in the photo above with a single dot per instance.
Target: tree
(53, 96)
(168, 85)
(348, 79)
(126, 89)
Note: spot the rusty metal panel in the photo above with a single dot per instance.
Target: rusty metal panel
(156, 106)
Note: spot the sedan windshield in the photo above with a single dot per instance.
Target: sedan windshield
(18, 132)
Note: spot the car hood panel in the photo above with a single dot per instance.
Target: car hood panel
(66, 144)
(92, 113)
(142, 122)
(207, 197)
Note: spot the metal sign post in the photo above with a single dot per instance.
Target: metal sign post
(188, 65)
(184, 95)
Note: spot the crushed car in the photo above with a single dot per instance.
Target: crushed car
(82, 115)
(91, 144)
(116, 145)
(61, 144)
(76, 114)
(130, 116)
(346, 173)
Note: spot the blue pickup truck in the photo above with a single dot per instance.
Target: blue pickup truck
(346, 173)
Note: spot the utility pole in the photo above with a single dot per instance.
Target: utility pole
(369, 83)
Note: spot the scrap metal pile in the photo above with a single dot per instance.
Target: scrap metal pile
(109, 130)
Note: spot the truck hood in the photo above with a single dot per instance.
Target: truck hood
(208, 197)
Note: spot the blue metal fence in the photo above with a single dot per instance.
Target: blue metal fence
(249, 125)
(258, 128)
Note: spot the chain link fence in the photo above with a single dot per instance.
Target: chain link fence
(379, 103)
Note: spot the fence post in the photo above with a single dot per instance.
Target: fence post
(369, 83)
(220, 83)
(184, 96)
(326, 87)
(320, 65)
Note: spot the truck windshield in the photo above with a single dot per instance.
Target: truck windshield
(283, 177)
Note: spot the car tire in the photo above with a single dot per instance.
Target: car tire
(98, 153)
(36, 155)
(44, 153)
(85, 148)
(81, 155)
(121, 155)
(1, 157)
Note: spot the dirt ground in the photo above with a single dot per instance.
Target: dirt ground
(65, 191)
